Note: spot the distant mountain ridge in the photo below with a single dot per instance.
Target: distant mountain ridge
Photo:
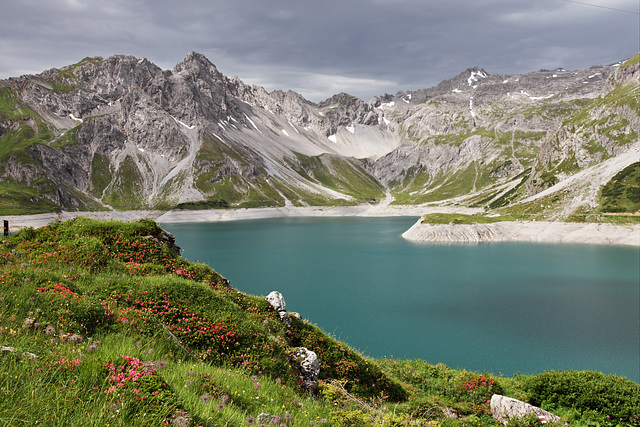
(122, 133)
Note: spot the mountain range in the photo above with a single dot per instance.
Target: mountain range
(121, 133)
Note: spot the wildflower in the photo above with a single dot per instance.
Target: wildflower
(160, 364)
(181, 419)
(220, 406)
(191, 373)
(254, 378)
(287, 416)
(76, 339)
(257, 386)
(206, 398)
(92, 348)
(150, 351)
(251, 421)
(225, 398)
(49, 330)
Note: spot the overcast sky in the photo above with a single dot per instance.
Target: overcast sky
(322, 47)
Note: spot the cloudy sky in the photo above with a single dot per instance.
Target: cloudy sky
(322, 47)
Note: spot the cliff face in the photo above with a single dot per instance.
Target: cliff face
(120, 132)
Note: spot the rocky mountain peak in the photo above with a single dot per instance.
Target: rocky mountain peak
(466, 81)
(197, 65)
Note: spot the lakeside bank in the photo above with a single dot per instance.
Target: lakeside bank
(526, 231)
(523, 231)
(17, 222)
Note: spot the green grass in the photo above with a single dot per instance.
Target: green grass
(445, 218)
(631, 61)
(69, 138)
(107, 326)
(126, 193)
(340, 174)
(204, 204)
(100, 175)
(622, 192)
(18, 199)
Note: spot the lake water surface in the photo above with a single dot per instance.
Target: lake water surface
(495, 307)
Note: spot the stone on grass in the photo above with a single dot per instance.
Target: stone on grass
(276, 300)
(308, 366)
(503, 408)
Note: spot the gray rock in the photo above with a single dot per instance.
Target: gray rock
(503, 408)
(308, 366)
(276, 300)
(170, 240)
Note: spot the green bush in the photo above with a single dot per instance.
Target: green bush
(608, 398)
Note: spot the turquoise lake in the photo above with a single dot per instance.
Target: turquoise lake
(494, 307)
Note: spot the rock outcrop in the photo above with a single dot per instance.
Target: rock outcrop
(308, 366)
(503, 408)
(276, 300)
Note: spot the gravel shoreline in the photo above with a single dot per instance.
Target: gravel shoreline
(526, 231)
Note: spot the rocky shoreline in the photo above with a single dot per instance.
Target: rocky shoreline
(526, 231)
(523, 231)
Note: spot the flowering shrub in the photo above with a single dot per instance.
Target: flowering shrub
(136, 381)
(127, 373)
(70, 310)
(339, 362)
(479, 389)
(60, 290)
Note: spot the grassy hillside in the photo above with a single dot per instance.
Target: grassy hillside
(101, 323)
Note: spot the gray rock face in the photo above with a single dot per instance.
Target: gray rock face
(503, 408)
(308, 366)
(121, 132)
(276, 300)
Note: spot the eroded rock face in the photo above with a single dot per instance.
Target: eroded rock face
(122, 132)
(276, 300)
(503, 408)
(308, 366)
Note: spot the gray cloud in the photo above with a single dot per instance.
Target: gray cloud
(364, 47)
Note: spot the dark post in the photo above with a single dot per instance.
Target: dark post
(6, 228)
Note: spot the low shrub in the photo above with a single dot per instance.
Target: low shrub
(607, 399)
